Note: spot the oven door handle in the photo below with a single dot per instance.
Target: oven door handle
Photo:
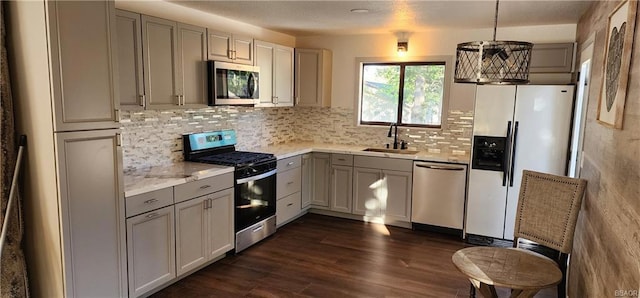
(257, 177)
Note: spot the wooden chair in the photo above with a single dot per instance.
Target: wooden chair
(548, 207)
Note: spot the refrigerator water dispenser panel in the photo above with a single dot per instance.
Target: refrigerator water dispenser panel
(489, 153)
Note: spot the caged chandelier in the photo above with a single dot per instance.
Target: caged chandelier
(493, 62)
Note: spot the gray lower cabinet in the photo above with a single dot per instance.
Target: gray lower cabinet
(204, 229)
(151, 250)
(92, 213)
(341, 185)
(341, 188)
(307, 178)
(288, 189)
(382, 187)
(321, 173)
(367, 199)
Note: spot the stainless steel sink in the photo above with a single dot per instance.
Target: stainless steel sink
(386, 150)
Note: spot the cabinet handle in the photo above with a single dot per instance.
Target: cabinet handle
(289, 205)
(152, 215)
(290, 182)
(141, 97)
(151, 201)
(205, 186)
(210, 203)
(290, 163)
(178, 98)
(341, 159)
(297, 100)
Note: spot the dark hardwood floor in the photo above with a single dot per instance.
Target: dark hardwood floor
(321, 256)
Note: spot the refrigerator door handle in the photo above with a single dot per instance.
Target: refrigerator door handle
(505, 158)
(513, 152)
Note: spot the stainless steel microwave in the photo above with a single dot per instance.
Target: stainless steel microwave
(233, 84)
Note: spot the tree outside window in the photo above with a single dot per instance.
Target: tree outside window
(410, 94)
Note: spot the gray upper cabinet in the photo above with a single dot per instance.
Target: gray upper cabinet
(276, 74)
(224, 46)
(192, 70)
(84, 64)
(130, 75)
(313, 77)
(160, 46)
(552, 58)
(175, 70)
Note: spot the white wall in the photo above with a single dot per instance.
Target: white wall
(187, 15)
(433, 43)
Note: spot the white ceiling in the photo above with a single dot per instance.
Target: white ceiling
(304, 18)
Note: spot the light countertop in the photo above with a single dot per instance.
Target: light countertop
(155, 178)
(159, 177)
(292, 149)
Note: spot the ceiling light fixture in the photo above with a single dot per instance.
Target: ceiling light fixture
(359, 10)
(403, 47)
(493, 62)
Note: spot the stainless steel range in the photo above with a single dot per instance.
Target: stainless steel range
(255, 182)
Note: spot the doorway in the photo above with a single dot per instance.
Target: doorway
(580, 110)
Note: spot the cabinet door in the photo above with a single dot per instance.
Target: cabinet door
(192, 70)
(220, 45)
(191, 234)
(320, 166)
(398, 202)
(307, 178)
(341, 188)
(313, 77)
(283, 76)
(151, 255)
(220, 223)
(243, 50)
(368, 185)
(92, 213)
(159, 43)
(84, 64)
(264, 60)
(130, 76)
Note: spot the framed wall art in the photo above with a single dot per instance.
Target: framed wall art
(617, 59)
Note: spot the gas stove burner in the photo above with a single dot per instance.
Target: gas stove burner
(237, 158)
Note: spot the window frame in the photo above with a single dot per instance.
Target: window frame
(447, 61)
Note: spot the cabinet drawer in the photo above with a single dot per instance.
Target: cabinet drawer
(287, 208)
(288, 182)
(342, 159)
(289, 163)
(394, 164)
(148, 201)
(202, 187)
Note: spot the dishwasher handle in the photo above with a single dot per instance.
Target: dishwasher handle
(434, 167)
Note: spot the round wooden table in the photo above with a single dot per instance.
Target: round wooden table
(523, 271)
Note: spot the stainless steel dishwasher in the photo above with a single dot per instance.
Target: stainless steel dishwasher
(438, 194)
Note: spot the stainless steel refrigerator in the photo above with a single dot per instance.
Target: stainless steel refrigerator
(515, 128)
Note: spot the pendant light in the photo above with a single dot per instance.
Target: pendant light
(493, 62)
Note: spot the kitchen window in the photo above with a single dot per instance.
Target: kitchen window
(408, 93)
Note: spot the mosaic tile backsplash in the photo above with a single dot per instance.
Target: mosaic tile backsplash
(154, 137)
